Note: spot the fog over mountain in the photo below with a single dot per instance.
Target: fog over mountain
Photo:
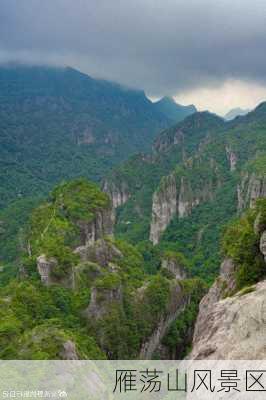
(177, 48)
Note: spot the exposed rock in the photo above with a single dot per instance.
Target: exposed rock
(225, 282)
(102, 225)
(101, 252)
(165, 141)
(119, 193)
(186, 200)
(263, 244)
(45, 267)
(175, 196)
(233, 328)
(101, 301)
(232, 158)
(177, 303)
(164, 207)
(69, 351)
(175, 267)
(250, 189)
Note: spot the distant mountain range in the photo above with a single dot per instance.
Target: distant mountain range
(235, 112)
(172, 110)
(58, 123)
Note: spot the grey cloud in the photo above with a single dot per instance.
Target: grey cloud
(162, 46)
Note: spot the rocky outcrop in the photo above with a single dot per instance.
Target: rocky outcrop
(45, 267)
(101, 225)
(250, 188)
(223, 284)
(102, 300)
(69, 351)
(93, 248)
(175, 197)
(232, 158)
(187, 200)
(102, 252)
(174, 267)
(118, 193)
(177, 303)
(263, 244)
(164, 207)
(165, 141)
(234, 328)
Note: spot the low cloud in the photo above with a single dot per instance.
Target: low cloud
(163, 46)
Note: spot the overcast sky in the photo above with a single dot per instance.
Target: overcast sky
(209, 52)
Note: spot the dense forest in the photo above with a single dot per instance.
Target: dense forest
(116, 214)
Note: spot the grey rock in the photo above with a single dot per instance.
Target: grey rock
(101, 252)
(101, 301)
(102, 225)
(164, 207)
(224, 283)
(69, 351)
(174, 267)
(45, 266)
(233, 328)
(232, 158)
(250, 188)
(177, 304)
(118, 193)
(263, 244)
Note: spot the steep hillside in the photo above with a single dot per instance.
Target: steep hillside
(231, 320)
(235, 112)
(80, 293)
(57, 123)
(172, 110)
(202, 172)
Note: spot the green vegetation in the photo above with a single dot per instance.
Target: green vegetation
(241, 243)
(120, 292)
(54, 225)
(57, 123)
(179, 335)
(36, 321)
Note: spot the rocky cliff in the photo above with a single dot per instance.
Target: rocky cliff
(164, 207)
(231, 323)
(251, 187)
(178, 300)
(233, 328)
(118, 193)
(177, 195)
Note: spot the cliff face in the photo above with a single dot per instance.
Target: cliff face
(232, 158)
(118, 193)
(176, 196)
(177, 303)
(69, 229)
(164, 207)
(233, 327)
(251, 187)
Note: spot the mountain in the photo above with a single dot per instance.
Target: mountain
(202, 172)
(58, 123)
(83, 294)
(240, 290)
(235, 112)
(172, 110)
(122, 271)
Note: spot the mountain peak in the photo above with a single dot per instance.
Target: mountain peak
(172, 110)
(235, 112)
